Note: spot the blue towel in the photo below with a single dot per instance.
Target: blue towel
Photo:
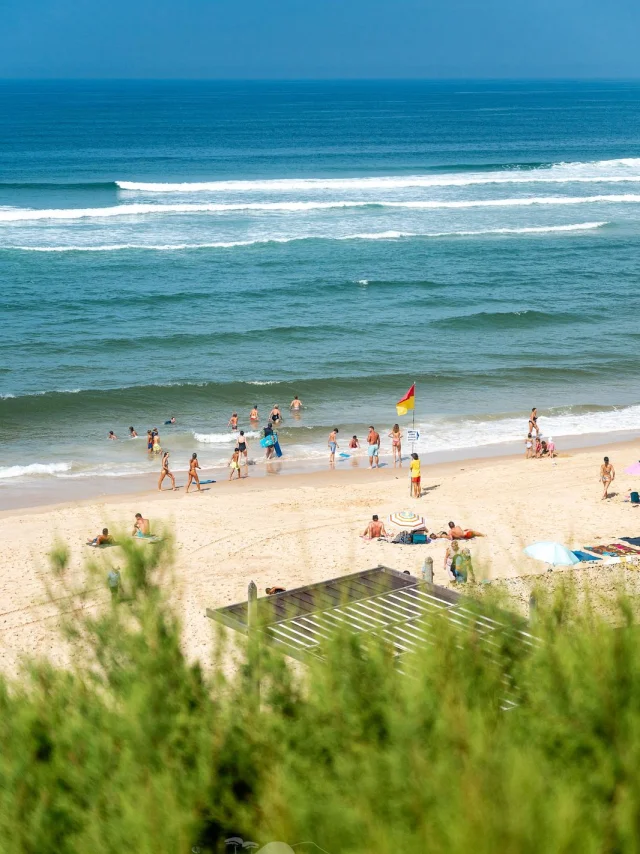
(585, 555)
(633, 541)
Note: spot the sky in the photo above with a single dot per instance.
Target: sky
(298, 39)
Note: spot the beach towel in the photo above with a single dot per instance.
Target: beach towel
(635, 541)
(614, 549)
(584, 556)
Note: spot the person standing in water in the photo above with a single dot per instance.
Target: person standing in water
(111, 435)
(276, 415)
(194, 465)
(165, 472)
(373, 441)
(607, 476)
(149, 441)
(333, 444)
(253, 415)
(233, 421)
(396, 443)
(157, 448)
(132, 433)
(242, 447)
(296, 405)
(533, 422)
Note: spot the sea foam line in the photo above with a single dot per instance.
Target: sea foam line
(382, 235)
(558, 173)
(33, 468)
(24, 215)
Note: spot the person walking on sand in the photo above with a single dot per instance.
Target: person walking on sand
(333, 444)
(414, 466)
(607, 476)
(234, 464)
(194, 465)
(296, 405)
(233, 421)
(165, 472)
(373, 441)
(396, 443)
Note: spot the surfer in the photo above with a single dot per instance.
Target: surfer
(165, 472)
(194, 465)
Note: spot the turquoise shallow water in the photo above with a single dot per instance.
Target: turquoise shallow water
(192, 249)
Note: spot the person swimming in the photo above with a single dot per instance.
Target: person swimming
(172, 420)
(111, 435)
(132, 433)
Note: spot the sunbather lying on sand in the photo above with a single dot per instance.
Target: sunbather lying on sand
(102, 539)
(455, 532)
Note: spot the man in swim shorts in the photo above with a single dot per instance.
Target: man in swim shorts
(373, 441)
(333, 444)
(141, 527)
(103, 539)
(455, 532)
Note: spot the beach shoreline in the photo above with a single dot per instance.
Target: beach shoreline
(46, 493)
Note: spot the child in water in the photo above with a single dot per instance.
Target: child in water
(234, 464)
(353, 444)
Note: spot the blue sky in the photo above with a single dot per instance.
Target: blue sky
(319, 38)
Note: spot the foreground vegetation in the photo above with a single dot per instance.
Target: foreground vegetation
(132, 748)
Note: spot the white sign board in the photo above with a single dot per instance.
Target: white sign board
(413, 436)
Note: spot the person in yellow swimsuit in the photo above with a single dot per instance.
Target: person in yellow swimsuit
(414, 466)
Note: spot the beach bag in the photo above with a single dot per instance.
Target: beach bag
(419, 539)
(635, 498)
(403, 538)
(268, 441)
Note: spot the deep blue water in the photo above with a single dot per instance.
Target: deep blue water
(195, 248)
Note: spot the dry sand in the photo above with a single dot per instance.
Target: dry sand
(298, 529)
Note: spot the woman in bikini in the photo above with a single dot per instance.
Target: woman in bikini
(533, 422)
(165, 472)
(396, 443)
(607, 476)
(194, 465)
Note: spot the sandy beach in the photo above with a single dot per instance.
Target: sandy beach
(303, 528)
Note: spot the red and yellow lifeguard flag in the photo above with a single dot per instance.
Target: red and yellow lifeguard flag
(408, 401)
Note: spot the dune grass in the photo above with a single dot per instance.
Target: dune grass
(133, 748)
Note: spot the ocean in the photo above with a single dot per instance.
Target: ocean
(191, 249)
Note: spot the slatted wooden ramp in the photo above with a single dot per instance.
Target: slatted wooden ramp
(378, 603)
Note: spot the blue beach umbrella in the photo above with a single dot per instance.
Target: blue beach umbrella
(552, 553)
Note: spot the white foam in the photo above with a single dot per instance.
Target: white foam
(382, 235)
(264, 382)
(592, 172)
(23, 215)
(33, 468)
(461, 434)
(223, 438)
(6, 396)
